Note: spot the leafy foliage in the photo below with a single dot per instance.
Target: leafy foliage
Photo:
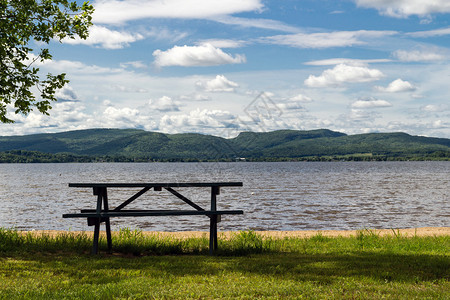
(26, 21)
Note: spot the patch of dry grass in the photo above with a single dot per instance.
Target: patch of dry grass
(410, 232)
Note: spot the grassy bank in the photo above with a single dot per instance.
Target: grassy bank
(366, 266)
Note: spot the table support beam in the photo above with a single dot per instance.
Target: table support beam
(186, 200)
(137, 195)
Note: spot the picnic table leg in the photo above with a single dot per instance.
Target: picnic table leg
(213, 221)
(99, 192)
(107, 222)
(212, 234)
(96, 236)
(108, 234)
(102, 198)
(215, 233)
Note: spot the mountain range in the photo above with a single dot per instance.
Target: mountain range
(140, 145)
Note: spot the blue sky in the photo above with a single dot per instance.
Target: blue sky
(222, 67)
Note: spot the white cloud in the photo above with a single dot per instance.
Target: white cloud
(116, 12)
(294, 103)
(431, 108)
(125, 117)
(420, 127)
(325, 39)
(134, 64)
(103, 37)
(68, 112)
(66, 115)
(94, 88)
(204, 55)
(417, 56)
(435, 108)
(121, 114)
(162, 33)
(359, 115)
(440, 124)
(218, 84)
(256, 23)
(397, 86)
(76, 67)
(370, 103)
(301, 98)
(66, 94)
(195, 97)
(430, 33)
(127, 89)
(347, 61)
(343, 73)
(164, 104)
(224, 43)
(291, 105)
(405, 8)
(198, 120)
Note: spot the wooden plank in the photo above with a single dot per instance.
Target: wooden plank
(124, 210)
(150, 213)
(153, 185)
(93, 211)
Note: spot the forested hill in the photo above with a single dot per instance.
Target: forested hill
(139, 145)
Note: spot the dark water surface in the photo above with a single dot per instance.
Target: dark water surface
(275, 196)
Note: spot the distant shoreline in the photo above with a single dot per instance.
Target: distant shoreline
(33, 157)
(410, 232)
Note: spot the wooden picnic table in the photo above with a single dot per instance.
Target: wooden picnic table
(102, 213)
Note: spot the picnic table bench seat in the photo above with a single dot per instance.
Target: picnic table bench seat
(91, 213)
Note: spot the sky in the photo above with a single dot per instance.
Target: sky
(223, 67)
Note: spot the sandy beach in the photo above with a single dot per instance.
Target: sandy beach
(423, 231)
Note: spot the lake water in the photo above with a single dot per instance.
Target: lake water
(275, 196)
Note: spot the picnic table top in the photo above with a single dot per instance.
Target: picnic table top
(156, 184)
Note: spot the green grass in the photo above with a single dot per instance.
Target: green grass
(247, 266)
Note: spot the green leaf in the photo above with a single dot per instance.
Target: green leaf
(38, 20)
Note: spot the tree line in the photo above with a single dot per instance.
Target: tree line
(25, 156)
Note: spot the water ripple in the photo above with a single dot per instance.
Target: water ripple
(276, 196)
